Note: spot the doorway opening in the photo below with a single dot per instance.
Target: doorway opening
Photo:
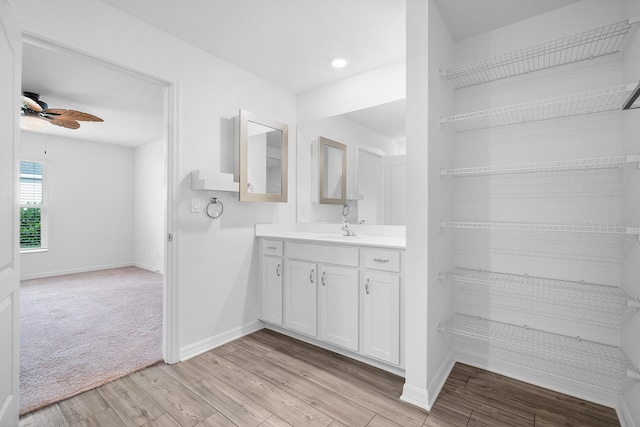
(108, 210)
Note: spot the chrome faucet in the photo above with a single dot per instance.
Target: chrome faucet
(346, 230)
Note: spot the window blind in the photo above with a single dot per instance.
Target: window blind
(31, 205)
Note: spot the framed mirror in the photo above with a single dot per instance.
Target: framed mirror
(332, 170)
(263, 159)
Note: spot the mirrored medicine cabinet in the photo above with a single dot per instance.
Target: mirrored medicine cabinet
(263, 159)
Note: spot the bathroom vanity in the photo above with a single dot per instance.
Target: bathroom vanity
(343, 293)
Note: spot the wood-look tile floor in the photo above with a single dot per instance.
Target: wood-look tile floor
(270, 380)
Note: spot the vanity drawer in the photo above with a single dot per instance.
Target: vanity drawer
(340, 255)
(272, 247)
(375, 259)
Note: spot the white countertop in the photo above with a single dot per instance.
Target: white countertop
(325, 235)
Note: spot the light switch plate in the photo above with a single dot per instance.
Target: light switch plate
(195, 205)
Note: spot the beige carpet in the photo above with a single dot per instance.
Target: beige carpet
(81, 330)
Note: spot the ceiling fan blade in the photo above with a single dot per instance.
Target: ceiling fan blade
(73, 115)
(31, 104)
(62, 121)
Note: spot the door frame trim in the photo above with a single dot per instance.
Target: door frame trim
(172, 90)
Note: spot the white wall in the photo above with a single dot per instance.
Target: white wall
(569, 138)
(440, 203)
(415, 284)
(149, 205)
(630, 341)
(375, 87)
(496, 199)
(347, 132)
(90, 210)
(217, 274)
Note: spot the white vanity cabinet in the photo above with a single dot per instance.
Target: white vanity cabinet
(272, 270)
(301, 297)
(342, 296)
(338, 303)
(381, 306)
(381, 326)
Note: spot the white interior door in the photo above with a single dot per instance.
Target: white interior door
(11, 59)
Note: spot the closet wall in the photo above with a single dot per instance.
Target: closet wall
(630, 340)
(545, 213)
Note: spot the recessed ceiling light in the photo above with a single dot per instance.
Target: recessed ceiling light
(338, 62)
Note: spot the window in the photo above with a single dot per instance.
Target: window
(32, 207)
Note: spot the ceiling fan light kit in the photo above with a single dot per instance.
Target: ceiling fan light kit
(33, 111)
(32, 123)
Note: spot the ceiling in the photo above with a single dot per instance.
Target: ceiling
(467, 18)
(132, 108)
(287, 42)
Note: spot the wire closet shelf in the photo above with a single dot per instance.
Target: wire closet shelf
(554, 166)
(572, 351)
(587, 45)
(533, 226)
(595, 101)
(578, 299)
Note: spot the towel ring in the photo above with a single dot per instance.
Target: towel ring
(211, 211)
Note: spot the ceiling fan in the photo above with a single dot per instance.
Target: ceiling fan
(33, 108)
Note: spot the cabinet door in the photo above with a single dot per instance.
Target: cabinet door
(301, 297)
(271, 290)
(339, 307)
(382, 316)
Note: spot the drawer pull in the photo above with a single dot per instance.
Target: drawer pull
(311, 276)
(323, 282)
(278, 270)
(366, 287)
(272, 248)
(380, 260)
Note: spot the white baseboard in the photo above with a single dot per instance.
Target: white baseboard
(624, 416)
(193, 350)
(73, 271)
(148, 267)
(435, 386)
(416, 396)
(426, 398)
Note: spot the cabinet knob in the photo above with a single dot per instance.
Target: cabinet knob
(366, 287)
(311, 276)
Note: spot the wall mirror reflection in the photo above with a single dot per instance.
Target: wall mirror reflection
(263, 159)
(332, 169)
(375, 178)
